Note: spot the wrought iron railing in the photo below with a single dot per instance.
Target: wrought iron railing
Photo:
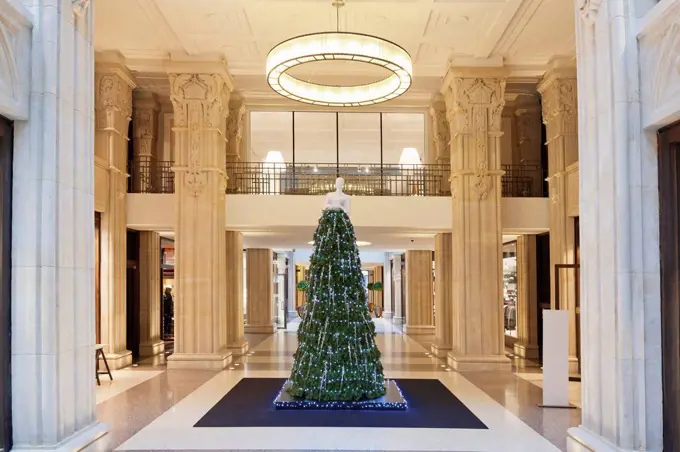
(318, 179)
(523, 181)
(149, 176)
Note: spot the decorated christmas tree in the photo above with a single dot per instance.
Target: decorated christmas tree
(336, 359)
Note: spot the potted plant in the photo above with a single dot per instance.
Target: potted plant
(378, 286)
(303, 286)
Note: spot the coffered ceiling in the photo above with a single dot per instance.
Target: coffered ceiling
(525, 34)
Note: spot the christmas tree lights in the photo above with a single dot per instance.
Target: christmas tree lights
(337, 363)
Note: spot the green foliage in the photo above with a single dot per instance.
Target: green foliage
(337, 358)
(378, 286)
(369, 286)
(303, 286)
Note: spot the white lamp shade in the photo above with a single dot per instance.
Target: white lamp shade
(274, 157)
(409, 156)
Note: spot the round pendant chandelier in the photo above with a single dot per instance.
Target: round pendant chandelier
(344, 46)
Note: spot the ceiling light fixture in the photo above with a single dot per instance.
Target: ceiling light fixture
(345, 46)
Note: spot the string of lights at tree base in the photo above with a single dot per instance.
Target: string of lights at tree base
(337, 359)
(393, 400)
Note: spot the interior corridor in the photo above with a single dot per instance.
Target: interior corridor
(155, 409)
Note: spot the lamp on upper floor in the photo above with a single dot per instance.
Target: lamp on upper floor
(274, 161)
(409, 158)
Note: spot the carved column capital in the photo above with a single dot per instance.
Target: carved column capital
(474, 110)
(113, 98)
(80, 7)
(560, 108)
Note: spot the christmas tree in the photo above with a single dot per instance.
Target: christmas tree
(336, 359)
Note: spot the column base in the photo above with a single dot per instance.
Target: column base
(388, 315)
(526, 351)
(481, 363)
(398, 320)
(419, 330)
(582, 440)
(117, 360)
(259, 329)
(200, 361)
(89, 439)
(440, 350)
(238, 349)
(153, 349)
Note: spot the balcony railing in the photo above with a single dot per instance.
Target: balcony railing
(319, 179)
(147, 176)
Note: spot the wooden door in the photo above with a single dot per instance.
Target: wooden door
(669, 225)
(6, 149)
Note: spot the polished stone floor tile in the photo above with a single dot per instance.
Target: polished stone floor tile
(156, 412)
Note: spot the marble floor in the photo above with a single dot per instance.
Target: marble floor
(149, 408)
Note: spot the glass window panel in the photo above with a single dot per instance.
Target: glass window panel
(359, 138)
(271, 131)
(315, 138)
(402, 130)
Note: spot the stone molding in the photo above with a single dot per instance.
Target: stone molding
(235, 128)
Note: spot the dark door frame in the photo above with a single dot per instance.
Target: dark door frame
(6, 161)
(669, 234)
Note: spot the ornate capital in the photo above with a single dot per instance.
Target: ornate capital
(145, 113)
(204, 97)
(560, 112)
(80, 7)
(113, 102)
(468, 96)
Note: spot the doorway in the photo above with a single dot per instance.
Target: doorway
(6, 150)
(669, 229)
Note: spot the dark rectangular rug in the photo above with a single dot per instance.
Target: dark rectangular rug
(250, 404)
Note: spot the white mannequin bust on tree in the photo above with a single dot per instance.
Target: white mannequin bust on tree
(337, 200)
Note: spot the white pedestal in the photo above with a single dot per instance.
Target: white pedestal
(556, 359)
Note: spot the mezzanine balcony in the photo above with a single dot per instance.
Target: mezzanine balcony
(313, 179)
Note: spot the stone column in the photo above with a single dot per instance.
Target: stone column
(419, 297)
(200, 103)
(236, 341)
(474, 101)
(387, 288)
(527, 298)
(145, 130)
(398, 317)
(259, 282)
(150, 343)
(619, 219)
(443, 342)
(558, 90)
(113, 110)
(53, 310)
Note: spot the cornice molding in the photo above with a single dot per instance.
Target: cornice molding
(113, 63)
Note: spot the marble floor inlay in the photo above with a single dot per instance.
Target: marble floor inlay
(152, 409)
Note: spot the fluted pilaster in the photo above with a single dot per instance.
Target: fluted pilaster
(53, 308)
